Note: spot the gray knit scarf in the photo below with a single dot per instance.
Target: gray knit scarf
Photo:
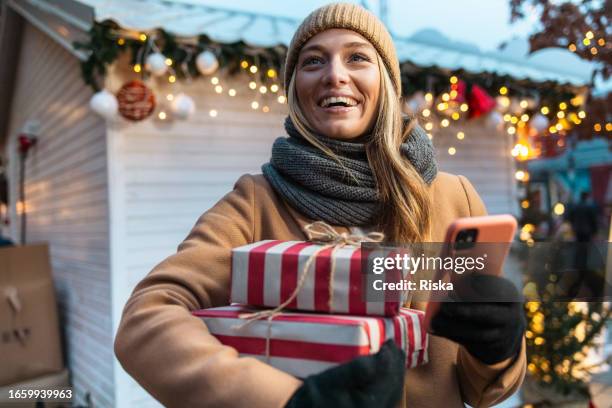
(316, 185)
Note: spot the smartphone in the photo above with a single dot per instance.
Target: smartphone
(487, 238)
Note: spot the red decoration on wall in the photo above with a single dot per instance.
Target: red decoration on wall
(479, 102)
(25, 143)
(136, 101)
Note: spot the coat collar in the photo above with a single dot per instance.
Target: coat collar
(301, 220)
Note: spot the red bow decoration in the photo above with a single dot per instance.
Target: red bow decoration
(478, 100)
(25, 143)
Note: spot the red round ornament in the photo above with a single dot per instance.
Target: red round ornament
(136, 101)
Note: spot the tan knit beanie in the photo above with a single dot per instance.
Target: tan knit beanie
(352, 17)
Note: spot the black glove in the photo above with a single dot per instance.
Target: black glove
(369, 381)
(490, 330)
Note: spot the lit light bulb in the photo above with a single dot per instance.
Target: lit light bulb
(452, 151)
(460, 135)
(161, 115)
(544, 110)
(218, 89)
(214, 80)
(169, 97)
(254, 105)
(168, 61)
(252, 85)
(444, 123)
(271, 73)
(253, 69)
(172, 79)
(137, 68)
(232, 92)
(426, 113)
(265, 109)
(273, 88)
(213, 113)
(263, 89)
(503, 90)
(282, 99)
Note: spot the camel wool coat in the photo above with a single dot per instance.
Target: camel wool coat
(175, 358)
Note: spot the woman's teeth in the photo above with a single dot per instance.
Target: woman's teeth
(338, 100)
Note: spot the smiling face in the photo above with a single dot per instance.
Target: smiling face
(337, 83)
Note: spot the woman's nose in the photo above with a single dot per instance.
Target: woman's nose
(336, 73)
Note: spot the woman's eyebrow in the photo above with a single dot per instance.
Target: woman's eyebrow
(353, 44)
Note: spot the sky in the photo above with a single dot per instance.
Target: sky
(484, 23)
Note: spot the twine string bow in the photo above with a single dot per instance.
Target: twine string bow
(323, 234)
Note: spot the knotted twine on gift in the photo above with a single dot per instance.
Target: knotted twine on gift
(320, 233)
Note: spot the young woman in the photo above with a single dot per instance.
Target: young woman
(351, 160)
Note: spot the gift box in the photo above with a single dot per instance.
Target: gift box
(266, 273)
(303, 344)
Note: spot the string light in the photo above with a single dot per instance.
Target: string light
(552, 129)
(428, 97)
(137, 68)
(218, 89)
(560, 114)
(460, 135)
(453, 94)
(244, 64)
(452, 151)
(601, 42)
(232, 92)
(503, 90)
(514, 120)
(608, 127)
(544, 110)
(511, 130)
(523, 104)
(586, 42)
(525, 204)
(282, 99)
(162, 115)
(254, 105)
(453, 79)
(444, 123)
(170, 97)
(428, 126)
(572, 47)
(597, 127)
(463, 107)
(213, 113)
(253, 69)
(559, 209)
(589, 35)
(521, 175)
(507, 117)
(168, 61)
(445, 97)
(273, 88)
(524, 117)
(593, 50)
(426, 113)
(263, 89)
(563, 106)
(121, 41)
(252, 85)
(559, 126)
(582, 114)
(172, 79)
(271, 73)
(455, 116)
(265, 109)
(143, 37)
(214, 80)
(442, 106)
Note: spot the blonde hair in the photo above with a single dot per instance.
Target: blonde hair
(405, 212)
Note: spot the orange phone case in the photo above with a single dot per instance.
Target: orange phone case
(494, 229)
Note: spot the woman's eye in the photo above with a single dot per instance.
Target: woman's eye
(359, 57)
(312, 61)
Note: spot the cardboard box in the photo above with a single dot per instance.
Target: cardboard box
(29, 332)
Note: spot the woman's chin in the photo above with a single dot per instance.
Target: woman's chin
(340, 130)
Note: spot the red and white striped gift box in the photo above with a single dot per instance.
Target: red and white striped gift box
(266, 273)
(302, 344)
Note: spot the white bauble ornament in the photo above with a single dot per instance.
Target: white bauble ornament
(183, 106)
(539, 122)
(495, 119)
(207, 62)
(104, 104)
(156, 64)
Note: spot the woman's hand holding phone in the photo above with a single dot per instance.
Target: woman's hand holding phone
(490, 331)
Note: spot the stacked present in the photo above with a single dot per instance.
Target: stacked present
(330, 322)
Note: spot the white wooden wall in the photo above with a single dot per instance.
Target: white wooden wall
(483, 156)
(67, 204)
